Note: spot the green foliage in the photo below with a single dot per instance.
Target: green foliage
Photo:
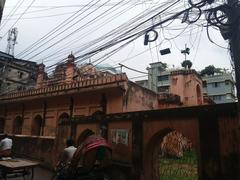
(184, 168)
(211, 70)
(186, 64)
(163, 66)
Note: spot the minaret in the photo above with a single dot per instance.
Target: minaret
(70, 69)
(40, 76)
(188, 85)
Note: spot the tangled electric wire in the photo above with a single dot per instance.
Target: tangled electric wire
(197, 4)
(217, 16)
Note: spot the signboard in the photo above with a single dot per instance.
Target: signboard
(119, 136)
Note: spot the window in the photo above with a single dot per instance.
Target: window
(229, 96)
(20, 75)
(199, 94)
(217, 98)
(216, 84)
(204, 83)
(37, 125)
(163, 78)
(17, 125)
(163, 89)
(64, 117)
(160, 69)
(227, 82)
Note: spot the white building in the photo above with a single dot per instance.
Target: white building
(220, 87)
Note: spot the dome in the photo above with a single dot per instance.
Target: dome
(71, 56)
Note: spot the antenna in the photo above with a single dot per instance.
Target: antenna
(12, 40)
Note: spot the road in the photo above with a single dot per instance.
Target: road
(39, 174)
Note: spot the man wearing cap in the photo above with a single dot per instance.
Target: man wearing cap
(5, 146)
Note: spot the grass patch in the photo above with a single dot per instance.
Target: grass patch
(184, 168)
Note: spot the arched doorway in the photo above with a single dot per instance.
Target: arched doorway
(170, 155)
(17, 125)
(63, 130)
(2, 125)
(37, 126)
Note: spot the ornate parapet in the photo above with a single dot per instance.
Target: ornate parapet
(185, 72)
(63, 87)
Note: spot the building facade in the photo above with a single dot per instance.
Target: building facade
(159, 77)
(186, 84)
(220, 87)
(142, 83)
(73, 91)
(75, 100)
(16, 74)
(70, 92)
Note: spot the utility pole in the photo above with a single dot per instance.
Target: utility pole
(2, 3)
(234, 42)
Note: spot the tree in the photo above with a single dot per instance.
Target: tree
(186, 64)
(219, 70)
(210, 70)
(162, 66)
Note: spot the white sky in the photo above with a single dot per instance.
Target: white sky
(203, 52)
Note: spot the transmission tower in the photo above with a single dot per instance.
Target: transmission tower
(12, 40)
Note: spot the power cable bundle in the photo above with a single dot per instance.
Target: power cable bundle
(105, 46)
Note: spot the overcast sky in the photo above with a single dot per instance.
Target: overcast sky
(44, 15)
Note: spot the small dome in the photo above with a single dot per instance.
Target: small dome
(41, 66)
(71, 56)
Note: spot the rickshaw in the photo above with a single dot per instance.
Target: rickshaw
(91, 161)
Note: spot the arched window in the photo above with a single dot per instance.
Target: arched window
(2, 125)
(17, 125)
(199, 95)
(63, 118)
(37, 125)
(63, 131)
